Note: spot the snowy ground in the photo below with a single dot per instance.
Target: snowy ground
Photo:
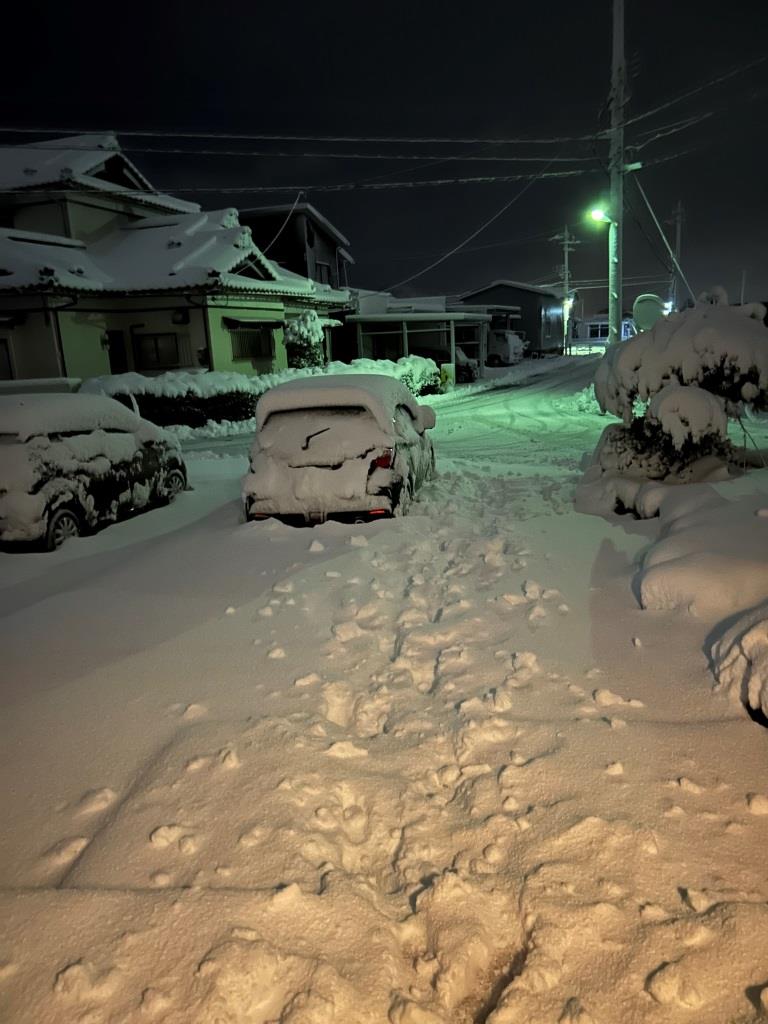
(440, 769)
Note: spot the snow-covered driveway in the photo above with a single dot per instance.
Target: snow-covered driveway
(439, 769)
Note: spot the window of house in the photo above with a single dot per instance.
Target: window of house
(598, 331)
(252, 342)
(6, 370)
(323, 273)
(155, 351)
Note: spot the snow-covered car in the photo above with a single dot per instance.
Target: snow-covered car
(347, 445)
(72, 462)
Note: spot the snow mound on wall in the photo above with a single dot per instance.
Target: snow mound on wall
(712, 554)
(691, 347)
(740, 660)
(622, 476)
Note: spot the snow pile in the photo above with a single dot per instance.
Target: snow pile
(740, 659)
(721, 348)
(711, 559)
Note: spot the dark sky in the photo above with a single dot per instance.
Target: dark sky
(417, 68)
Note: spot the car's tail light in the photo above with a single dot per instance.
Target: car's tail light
(383, 461)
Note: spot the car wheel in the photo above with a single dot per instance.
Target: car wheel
(63, 524)
(494, 359)
(173, 484)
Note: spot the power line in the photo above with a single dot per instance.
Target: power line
(259, 137)
(284, 225)
(282, 154)
(664, 239)
(699, 88)
(474, 234)
(344, 187)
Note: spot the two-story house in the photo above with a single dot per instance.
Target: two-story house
(299, 238)
(100, 273)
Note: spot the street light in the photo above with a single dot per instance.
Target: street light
(599, 215)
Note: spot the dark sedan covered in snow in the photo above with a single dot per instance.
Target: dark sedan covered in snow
(72, 462)
(352, 446)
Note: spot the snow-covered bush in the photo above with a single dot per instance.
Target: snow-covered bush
(690, 372)
(305, 340)
(197, 400)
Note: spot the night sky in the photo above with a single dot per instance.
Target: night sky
(417, 69)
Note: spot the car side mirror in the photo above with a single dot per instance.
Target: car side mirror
(426, 417)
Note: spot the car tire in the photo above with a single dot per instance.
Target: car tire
(493, 360)
(63, 524)
(173, 484)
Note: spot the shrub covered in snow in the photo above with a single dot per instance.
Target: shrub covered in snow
(690, 372)
(197, 400)
(305, 340)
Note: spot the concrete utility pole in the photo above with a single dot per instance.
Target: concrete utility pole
(569, 243)
(616, 167)
(677, 220)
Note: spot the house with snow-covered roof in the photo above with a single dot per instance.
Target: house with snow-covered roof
(101, 273)
(537, 312)
(300, 238)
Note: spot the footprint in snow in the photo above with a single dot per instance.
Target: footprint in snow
(95, 801)
(66, 850)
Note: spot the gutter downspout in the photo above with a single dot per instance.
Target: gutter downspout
(52, 316)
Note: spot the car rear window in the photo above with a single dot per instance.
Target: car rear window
(323, 433)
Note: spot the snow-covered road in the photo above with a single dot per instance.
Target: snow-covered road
(439, 769)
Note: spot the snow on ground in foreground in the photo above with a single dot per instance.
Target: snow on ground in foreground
(441, 769)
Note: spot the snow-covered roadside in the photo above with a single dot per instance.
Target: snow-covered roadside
(500, 378)
(440, 769)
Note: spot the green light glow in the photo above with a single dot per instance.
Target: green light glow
(598, 214)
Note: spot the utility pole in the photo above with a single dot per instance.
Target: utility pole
(616, 167)
(677, 220)
(569, 243)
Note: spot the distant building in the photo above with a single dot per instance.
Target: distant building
(538, 313)
(593, 331)
(100, 273)
(301, 239)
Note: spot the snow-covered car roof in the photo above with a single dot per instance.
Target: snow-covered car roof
(27, 416)
(378, 394)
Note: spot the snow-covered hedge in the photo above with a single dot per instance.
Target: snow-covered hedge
(181, 398)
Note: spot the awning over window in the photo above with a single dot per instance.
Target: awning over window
(240, 323)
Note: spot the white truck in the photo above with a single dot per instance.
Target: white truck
(505, 348)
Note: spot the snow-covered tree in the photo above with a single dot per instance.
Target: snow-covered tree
(674, 387)
(305, 340)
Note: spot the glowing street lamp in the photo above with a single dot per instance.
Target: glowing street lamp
(599, 215)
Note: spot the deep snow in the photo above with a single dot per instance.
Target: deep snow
(438, 769)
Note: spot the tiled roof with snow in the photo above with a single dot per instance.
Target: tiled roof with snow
(75, 162)
(522, 285)
(206, 250)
